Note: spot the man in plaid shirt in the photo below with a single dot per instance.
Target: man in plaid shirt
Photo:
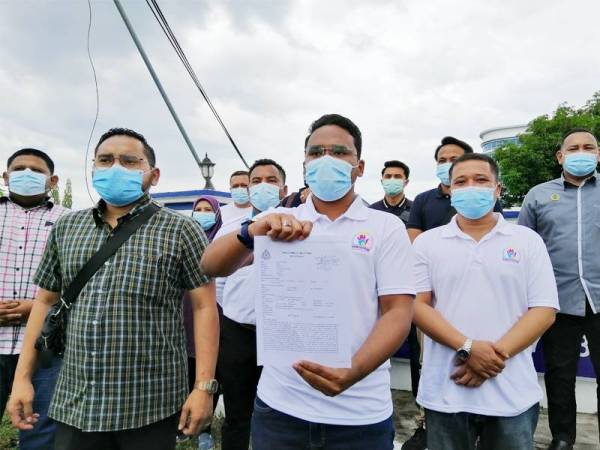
(26, 217)
(123, 382)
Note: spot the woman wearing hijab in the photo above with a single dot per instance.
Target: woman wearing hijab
(207, 212)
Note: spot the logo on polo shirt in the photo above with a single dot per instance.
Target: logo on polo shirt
(555, 197)
(362, 241)
(510, 254)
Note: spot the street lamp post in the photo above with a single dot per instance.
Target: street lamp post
(208, 170)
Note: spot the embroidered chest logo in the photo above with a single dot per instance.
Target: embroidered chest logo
(362, 241)
(511, 254)
(555, 197)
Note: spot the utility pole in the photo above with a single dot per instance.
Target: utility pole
(140, 48)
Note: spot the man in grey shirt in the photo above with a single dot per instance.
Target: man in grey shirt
(566, 214)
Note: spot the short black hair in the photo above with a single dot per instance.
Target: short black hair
(237, 173)
(449, 140)
(577, 130)
(33, 152)
(267, 162)
(476, 157)
(148, 151)
(339, 121)
(396, 163)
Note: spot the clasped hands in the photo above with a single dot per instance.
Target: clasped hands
(486, 361)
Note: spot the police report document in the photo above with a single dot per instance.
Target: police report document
(301, 294)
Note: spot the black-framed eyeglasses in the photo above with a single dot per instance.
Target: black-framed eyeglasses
(337, 151)
(127, 161)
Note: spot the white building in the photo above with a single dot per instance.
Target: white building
(494, 138)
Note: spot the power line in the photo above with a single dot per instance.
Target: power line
(87, 151)
(164, 24)
(156, 80)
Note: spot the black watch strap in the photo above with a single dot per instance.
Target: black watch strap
(244, 236)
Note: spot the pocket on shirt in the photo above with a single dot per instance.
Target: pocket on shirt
(145, 276)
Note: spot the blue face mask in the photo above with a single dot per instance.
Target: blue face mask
(393, 186)
(206, 219)
(117, 185)
(27, 183)
(240, 196)
(264, 196)
(329, 178)
(580, 164)
(473, 202)
(443, 173)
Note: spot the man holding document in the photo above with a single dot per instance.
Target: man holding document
(340, 297)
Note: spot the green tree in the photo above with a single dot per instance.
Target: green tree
(1, 191)
(533, 161)
(55, 195)
(68, 195)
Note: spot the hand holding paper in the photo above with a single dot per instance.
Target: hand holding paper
(280, 227)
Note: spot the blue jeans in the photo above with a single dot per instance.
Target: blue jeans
(459, 431)
(274, 430)
(42, 435)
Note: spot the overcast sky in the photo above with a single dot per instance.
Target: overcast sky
(407, 72)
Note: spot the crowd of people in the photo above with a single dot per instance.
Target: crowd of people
(167, 324)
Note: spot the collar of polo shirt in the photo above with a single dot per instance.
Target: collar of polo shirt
(440, 193)
(356, 211)
(453, 230)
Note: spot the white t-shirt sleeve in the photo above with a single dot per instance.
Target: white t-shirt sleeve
(220, 233)
(394, 264)
(422, 266)
(541, 284)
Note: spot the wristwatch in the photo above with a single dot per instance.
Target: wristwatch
(463, 353)
(244, 236)
(210, 386)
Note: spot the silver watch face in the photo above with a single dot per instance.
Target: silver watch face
(462, 354)
(212, 386)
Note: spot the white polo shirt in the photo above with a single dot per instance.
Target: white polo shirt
(238, 298)
(382, 263)
(231, 212)
(482, 288)
(231, 310)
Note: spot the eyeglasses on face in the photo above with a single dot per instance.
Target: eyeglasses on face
(127, 161)
(337, 151)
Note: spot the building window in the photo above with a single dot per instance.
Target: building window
(491, 146)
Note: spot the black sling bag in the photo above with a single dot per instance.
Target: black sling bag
(51, 342)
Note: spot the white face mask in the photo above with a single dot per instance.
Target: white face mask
(264, 196)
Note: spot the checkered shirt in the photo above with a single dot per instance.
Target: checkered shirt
(125, 362)
(23, 235)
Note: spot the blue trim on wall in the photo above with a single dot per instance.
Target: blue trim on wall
(196, 192)
(182, 206)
